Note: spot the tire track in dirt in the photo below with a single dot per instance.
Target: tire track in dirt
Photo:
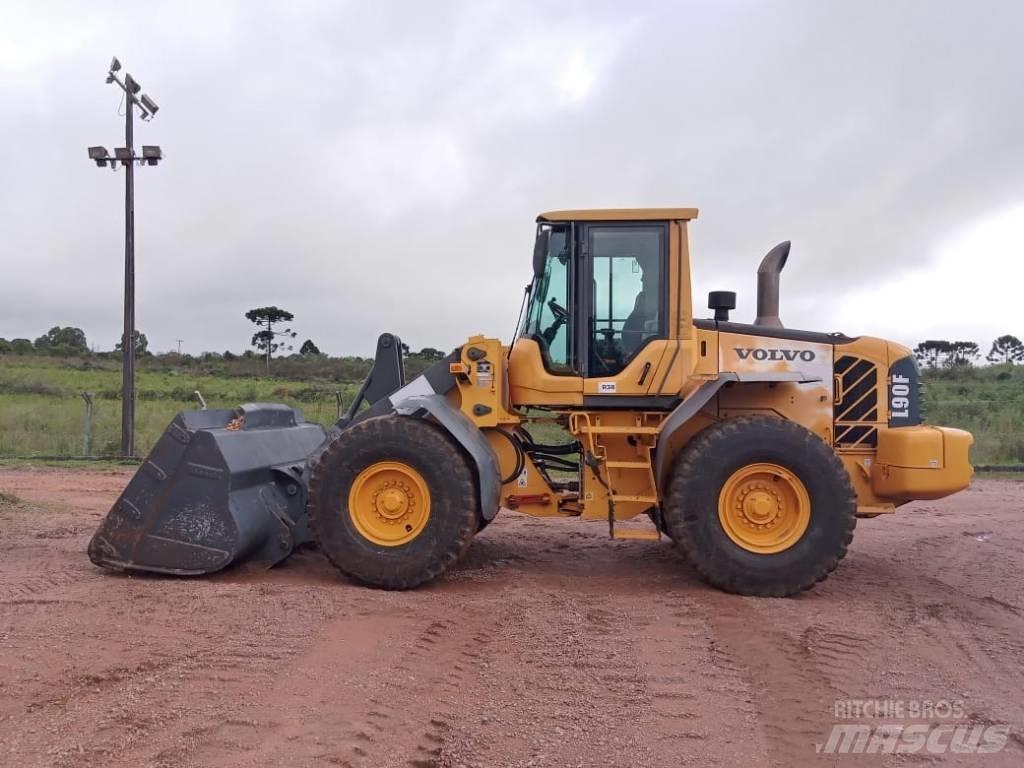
(588, 675)
(967, 642)
(699, 704)
(330, 709)
(41, 583)
(558, 686)
(932, 643)
(793, 699)
(118, 711)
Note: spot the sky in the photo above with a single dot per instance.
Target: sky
(379, 166)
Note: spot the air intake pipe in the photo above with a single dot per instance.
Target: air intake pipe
(768, 286)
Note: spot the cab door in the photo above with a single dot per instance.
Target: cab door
(623, 333)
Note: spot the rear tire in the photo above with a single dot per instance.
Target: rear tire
(760, 506)
(393, 502)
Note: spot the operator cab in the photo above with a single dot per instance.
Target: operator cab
(598, 295)
(601, 312)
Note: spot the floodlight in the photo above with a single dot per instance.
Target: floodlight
(152, 154)
(131, 85)
(123, 154)
(114, 64)
(149, 104)
(100, 155)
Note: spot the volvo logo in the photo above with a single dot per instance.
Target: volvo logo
(758, 353)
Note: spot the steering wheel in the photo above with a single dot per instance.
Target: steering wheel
(561, 313)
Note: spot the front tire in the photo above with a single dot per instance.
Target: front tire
(393, 502)
(760, 506)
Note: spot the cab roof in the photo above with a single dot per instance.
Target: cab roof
(619, 214)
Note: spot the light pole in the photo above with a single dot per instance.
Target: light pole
(151, 155)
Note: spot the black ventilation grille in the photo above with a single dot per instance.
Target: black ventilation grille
(857, 408)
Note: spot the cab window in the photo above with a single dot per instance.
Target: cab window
(548, 319)
(628, 294)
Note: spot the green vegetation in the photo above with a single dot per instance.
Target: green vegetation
(42, 413)
(266, 339)
(989, 402)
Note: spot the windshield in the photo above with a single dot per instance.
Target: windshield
(548, 320)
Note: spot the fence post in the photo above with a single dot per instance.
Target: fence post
(201, 401)
(87, 436)
(341, 405)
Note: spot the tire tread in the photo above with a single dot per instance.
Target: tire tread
(430, 440)
(682, 519)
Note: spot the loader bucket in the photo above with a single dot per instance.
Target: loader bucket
(219, 487)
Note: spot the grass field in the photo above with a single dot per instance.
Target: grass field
(988, 402)
(42, 413)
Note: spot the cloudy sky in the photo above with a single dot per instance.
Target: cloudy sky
(378, 166)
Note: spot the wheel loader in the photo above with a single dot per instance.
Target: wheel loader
(753, 447)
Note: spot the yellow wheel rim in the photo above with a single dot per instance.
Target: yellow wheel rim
(389, 503)
(764, 508)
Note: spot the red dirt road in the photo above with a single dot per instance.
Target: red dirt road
(547, 646)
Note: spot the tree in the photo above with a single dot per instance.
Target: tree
(64, 339)
(933, 352)
(21, 346)
(429, 353)
(141, 344)
(309, 348)
(961, 353)
(1006, 349)
(266, 339)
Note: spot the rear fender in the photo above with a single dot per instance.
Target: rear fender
(692, 405)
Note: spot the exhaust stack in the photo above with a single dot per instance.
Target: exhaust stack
(768, 285)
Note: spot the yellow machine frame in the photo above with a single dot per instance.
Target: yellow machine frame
(619, 476)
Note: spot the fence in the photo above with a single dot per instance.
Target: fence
(61, 425)
(87, 426)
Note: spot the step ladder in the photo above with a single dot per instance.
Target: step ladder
(600, 462)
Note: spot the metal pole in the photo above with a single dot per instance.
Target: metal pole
(128, 340)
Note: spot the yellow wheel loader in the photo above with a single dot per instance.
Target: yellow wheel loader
(753, 447)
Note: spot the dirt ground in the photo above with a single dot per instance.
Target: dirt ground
(549, 645)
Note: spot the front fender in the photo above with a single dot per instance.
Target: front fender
(466, 433)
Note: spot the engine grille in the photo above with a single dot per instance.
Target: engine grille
(856, 405)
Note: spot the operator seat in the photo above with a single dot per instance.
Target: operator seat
(641, 323)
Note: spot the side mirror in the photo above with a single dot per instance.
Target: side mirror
(722, 302)
(540, 250)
